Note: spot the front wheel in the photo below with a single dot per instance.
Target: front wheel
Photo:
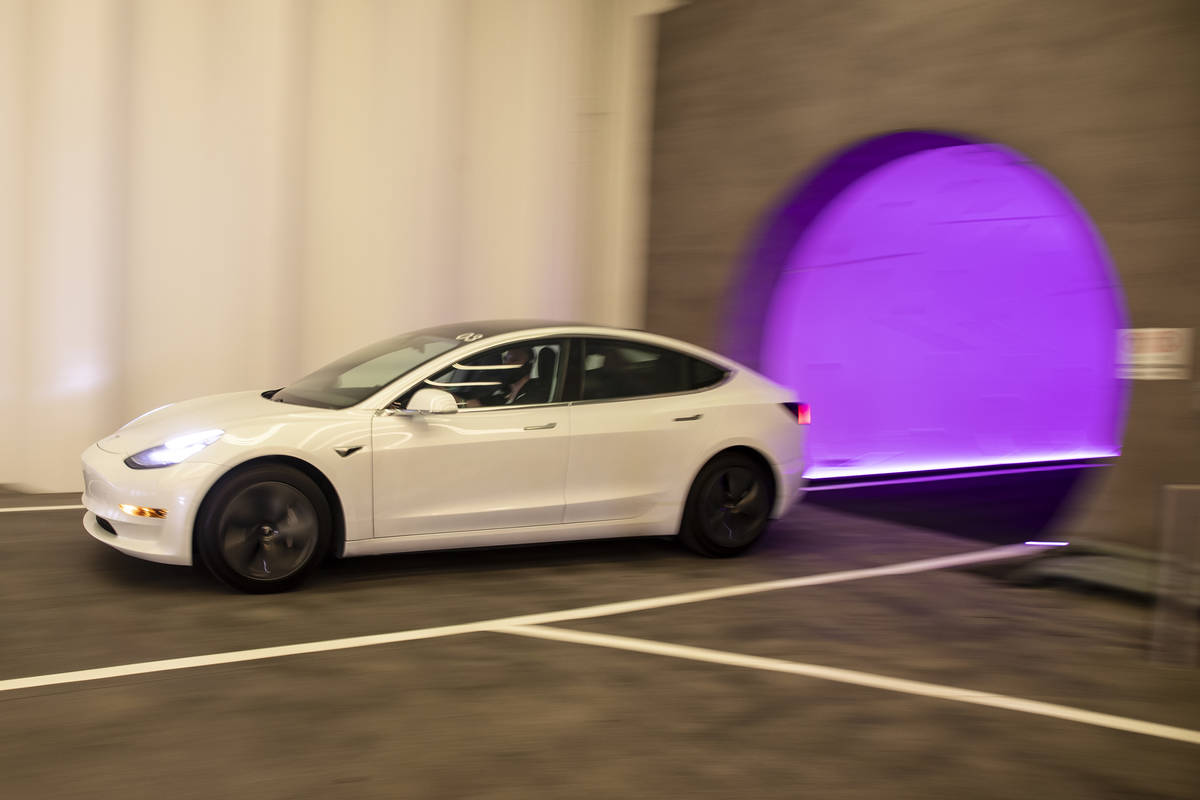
(728, 506)
(264, 529)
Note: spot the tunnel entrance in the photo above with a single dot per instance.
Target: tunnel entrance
(942, 304)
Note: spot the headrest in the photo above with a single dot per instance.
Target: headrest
(546, 360)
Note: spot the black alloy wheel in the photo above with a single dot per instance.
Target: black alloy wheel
(264, 529)
(728, 507)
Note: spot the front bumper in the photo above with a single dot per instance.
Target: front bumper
(179, 489)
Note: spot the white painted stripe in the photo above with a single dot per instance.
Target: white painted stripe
(39, 508)
(857, 678)
(903, 568)
(236, 656)
(548, 617)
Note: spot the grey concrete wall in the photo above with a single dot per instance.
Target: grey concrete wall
(1103, 93)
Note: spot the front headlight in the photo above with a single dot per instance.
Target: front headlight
(173, 450)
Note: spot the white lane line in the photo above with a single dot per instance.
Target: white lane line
(859, 679)
(548, 617)
(39, 508)
(257, 654)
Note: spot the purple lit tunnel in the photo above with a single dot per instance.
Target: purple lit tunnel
(939, 304)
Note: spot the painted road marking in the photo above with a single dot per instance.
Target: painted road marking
(39, 508)
(859, 679)
(549, 617)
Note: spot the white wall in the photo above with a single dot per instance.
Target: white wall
(208, 195)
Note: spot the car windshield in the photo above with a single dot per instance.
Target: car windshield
(353, 378)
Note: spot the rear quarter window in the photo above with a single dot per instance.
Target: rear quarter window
(703, 374)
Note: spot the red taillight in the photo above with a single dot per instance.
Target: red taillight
(800, 411)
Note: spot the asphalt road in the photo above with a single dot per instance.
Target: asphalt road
(494, 715)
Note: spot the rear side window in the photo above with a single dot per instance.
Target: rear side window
(614, 369)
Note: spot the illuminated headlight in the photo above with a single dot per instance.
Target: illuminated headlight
(173, 450)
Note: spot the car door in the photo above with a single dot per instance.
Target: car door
(498, 462)
(637, 429)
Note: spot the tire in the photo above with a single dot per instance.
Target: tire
(264, 529)
(728, 507)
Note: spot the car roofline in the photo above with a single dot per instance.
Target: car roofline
(537, 330)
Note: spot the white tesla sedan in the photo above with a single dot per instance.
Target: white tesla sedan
(478, 434)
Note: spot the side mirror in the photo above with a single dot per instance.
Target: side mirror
(432, 401)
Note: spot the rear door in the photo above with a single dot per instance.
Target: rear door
(637, 428)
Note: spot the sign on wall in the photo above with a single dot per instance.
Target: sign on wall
(1150, 354)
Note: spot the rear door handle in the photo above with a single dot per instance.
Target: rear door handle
(692, 418)
(545, 427)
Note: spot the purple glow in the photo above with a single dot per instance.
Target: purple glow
(898, 466)
(1048, 544)
(948, 308)
(952, 476)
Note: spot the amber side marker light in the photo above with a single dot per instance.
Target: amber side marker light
(143, 511)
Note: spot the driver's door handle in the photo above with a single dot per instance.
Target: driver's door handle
(545, 427)
(692, 418)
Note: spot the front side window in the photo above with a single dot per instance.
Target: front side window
(520, 374)
(614, 368)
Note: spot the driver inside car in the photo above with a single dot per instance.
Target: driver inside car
(520, 388)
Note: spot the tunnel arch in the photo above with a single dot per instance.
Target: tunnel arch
(942, 303)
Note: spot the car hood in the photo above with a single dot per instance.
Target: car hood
(191, 416)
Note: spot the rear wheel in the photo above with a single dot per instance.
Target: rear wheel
(728, 506)
(264, 529)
